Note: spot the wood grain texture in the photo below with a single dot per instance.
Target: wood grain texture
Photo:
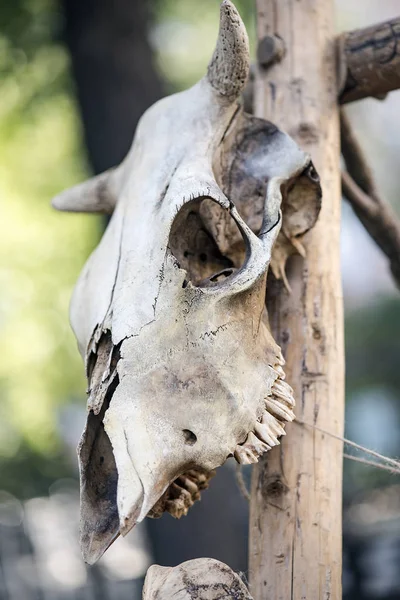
(296, 497)
(370, 61)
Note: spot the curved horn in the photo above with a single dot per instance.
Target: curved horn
(230, 64)
(96, 195)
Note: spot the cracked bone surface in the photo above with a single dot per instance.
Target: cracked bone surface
(169, 310)
(202, 578)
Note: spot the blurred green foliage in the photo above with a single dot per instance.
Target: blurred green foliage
(372, 350)
(41, 251)
(373, 346)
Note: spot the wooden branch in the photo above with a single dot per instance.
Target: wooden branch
(369, 61)
(355, 159)
(296, 496)
(357, 198)
(359, 188)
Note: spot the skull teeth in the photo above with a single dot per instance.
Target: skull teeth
(280, 361)
(273, 424)
(266, 434)
(282, 390)
(188, 484)
(201, 478)
(257, 445)
(263, 431)
(178, 507)
(182, 494)
(244, 455)
(280, 371)
(180, 502)
(278, 409)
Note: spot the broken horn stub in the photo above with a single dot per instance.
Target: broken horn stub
(96, 195)
(230, 64)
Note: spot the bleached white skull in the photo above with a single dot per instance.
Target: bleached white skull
(169, 310)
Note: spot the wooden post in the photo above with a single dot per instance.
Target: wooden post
(296, 496)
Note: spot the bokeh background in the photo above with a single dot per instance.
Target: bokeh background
(75, 76)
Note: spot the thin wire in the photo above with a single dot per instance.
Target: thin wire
(390, 464)
(372, 463)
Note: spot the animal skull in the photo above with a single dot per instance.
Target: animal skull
(169, 310)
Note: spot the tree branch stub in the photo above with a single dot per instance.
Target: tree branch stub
(270, 49)
(369, 61)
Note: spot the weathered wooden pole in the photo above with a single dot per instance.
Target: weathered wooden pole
(296, 497)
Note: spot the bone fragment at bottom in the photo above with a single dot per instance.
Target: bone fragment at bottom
(202, 578)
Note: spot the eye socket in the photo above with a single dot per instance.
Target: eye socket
(189, 437)
(197, 240)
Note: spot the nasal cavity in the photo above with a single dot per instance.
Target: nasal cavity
(206, 242)
(189, 437)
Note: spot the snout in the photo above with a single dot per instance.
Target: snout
(163, 455)
(146, 467)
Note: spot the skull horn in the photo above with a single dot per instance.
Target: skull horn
(230, 64)
(97, 195)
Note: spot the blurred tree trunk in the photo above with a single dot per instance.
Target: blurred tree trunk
(114, 72)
